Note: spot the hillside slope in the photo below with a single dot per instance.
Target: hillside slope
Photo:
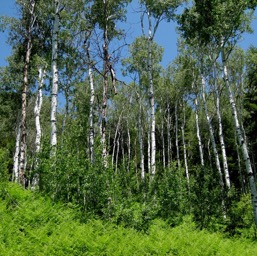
(31, 224)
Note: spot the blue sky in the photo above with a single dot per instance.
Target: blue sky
(166, 34)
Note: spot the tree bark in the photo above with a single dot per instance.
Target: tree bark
(200, 145)
(23, 148)
(105, 87)
(115, 140)
(214, 147)
(184, 146)
(221, 137)
(15, 175)
(91, 107)
(176, 133)
(169, 150)
(54, 93)
(129, 147)
(151, 97)
(141, 141)
(163, 145)
(37, 110)
(149, 150)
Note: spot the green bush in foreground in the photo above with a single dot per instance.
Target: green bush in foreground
(33, 225)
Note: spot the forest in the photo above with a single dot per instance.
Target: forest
(121, 138)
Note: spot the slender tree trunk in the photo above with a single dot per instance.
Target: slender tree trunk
(15, 175)
(91, 108)
(221, 137)
(115, 141)
(176, 132)
(129, 147)
(67, 107)
(209, 153)
(214, 147)
(169, 153)
(152, 100)
(149, 150)
(184, 145)
(54, 93)
(163, 145)
(240, 137)
(199, 139)
(37, 110)
(123, 151)
(23, 148)
(105, 89)
(117, 153)
(141, 141)
(242, 179)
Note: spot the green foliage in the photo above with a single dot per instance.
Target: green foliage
(33, 225)
(240, 215)
(4, 164)
(71, 178)
(138, 62)
(172, 194)
(165, 8)
(107, 13)
(206, 197)
(213, 20)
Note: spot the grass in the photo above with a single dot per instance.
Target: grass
(31, 224)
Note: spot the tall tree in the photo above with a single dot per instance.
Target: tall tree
(211, 22)
(105, 14)
(155, 12)
(54, 93)
(29, 18)
(138, 64)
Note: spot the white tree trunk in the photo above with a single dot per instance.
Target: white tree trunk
(37, 108)
(241, 139)
(105, 91)
(184, 145)
(129, 147)
(149, 150)
(214, 147)
(221, 137)
(117, 152)
(200, 145)
(152, 101)
(169, 150)
(15, 176)
(115, 141)
(141, 141)
(176, 134)
(91, 108)
(67, 107)
(163, 145)
(54, 93)
(23, 148)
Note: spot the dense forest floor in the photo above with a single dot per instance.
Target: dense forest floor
(31, 224)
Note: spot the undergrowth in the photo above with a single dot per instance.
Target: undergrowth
(33, 225)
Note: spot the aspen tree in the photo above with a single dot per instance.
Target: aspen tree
(54, 93)
(37, 110)
(30, 8)
(105, 14)
(221, 135)
(155, 12)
